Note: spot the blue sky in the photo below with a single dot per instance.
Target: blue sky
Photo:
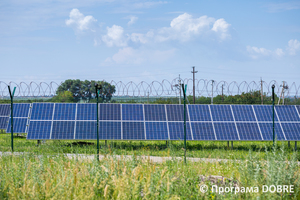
(130, 40)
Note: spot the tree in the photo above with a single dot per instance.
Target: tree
(86, 89)
(66, 97)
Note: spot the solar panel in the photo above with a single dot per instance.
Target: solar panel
(221, 113)
(298, 108)
(132, 112)
(63, 130)
(109, 111)
(291, 130)
(133, 131)
(19, 125)
(39, 130)
(158, 122)
(203, 131)
(248, 131)
(3, 122)
(176, 130)
(157, 131)
(175, 113)
(109, 131)
(243, 113)
(4, 115)
(86, 111)
(155, 112)
(21, 112)
(264, 113)
(4, 110)
(42, 111)
(287, 113)
(21, 109)
(65, 111)
(267, 131)
(86, 130)
(226, 131)
(199, 113)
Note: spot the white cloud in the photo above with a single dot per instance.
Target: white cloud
(133, 19)
(221, 27)
(129, 55)
(80, 22)
(184, 27)
(279, 52)
(293, 46)
(138, 37)
(256, 52)
(115, 37)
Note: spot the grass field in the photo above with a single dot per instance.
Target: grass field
(44, 173)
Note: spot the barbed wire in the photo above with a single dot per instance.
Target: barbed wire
(203, 87)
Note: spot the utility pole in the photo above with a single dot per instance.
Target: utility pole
(194, 83)
(179, 84)
(212, 91)
(261, 91)
(284, 87)
(148, 97)
(222, 93)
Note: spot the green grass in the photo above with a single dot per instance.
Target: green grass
(198, 149)
(32, 176)
(45, 173)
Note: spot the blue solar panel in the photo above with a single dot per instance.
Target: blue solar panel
(291, 130)
(264, 113)
(176, 130)
(249, 131)
(42, 111)
(221, 113)
(63, 130)
(132, 112)
(4, 110)
(298, 108)
(199, 113)
(203, 131)
(226, 131)
(64, 111)
(109, 111)
(86, 130)
(155, 112)
(133, 131)
(19, 125)
(3, 122)
(87, 111)
(39, 130)
(175, 113)
(21, 109)
(156, 131)
(267, 131)
(109, 131)
(243, 113)
(287, 113)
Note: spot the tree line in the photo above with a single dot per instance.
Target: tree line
(75, 90)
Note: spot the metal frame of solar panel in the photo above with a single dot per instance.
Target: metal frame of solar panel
(4, 115)
(163, 122)
(21, 115)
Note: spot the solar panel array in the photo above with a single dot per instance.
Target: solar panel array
(158, 122)
(21, 113)
(4, 115)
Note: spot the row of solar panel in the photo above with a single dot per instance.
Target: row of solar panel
(86, 130)
(152, 112)
(153, 122)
